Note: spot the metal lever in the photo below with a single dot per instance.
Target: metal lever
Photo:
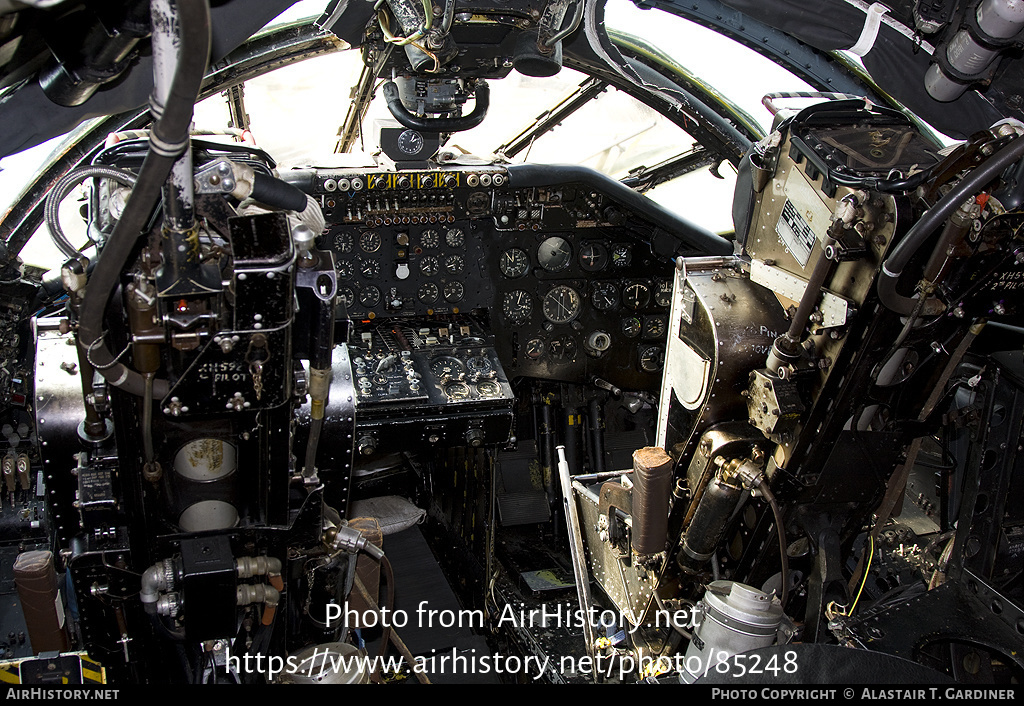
(579, 566)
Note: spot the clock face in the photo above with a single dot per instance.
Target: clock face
(410, 142)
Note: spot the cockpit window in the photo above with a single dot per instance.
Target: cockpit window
(740, 74)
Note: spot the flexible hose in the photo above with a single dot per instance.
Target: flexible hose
(770, 498)
(64, 187)
(168, 139)
(934, 217)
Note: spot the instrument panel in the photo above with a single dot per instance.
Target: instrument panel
(566, 277)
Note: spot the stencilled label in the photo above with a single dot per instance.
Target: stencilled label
(796, 233)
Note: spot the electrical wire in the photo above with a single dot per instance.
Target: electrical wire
(834, 609)
(867, 569)
(390, 38)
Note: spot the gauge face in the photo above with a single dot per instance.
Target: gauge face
(455, 238)
(457, 391)
(534, 348)
(370, 241)
(430, 239)
(370, 269)
(651, 359)
(344, 269)
(454, 264)
(453, 292)
(479, 364)
(554, 254)
(343, 242)
(622, 256)
(410, 142)
(631, 327)
(604, 296)
(369, 296)
(428, 293)
(514, 263)
(593, 257)
(561, 304)
(429, 266)
(345, 294)
(488, 388)
(517, 307)
(654, 327)
(562, 348)
(447, 368)
(636, 295)
(663, 292)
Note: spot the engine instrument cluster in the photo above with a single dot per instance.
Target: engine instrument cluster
(433, 380)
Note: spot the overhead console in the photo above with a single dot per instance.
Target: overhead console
(569, 270)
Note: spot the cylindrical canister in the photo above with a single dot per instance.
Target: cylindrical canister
(41, 603)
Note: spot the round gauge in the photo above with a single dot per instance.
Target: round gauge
(593, 257)
(457, 391)
(488, 388)
(631, 327)
(429, 266)
(534, 348)
(344, 269)
(346, 295)
(517, 307)
(479, 364)
(514, 263)
(429, 239)
(453, 292)
(428, 293)
(562, 348)
(561, 304)
(370, 241)
(604, 296)
(654, 327)
(454, 264)
(447, 368)
(410, 142)
(663, 292)
(370, 269)
(369, 296)
(622, 255)
(343, 242)
(554, 254)
(636, 295)
(651, 359)
(455, 238)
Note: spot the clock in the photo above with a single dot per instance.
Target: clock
(404, 145)
(410, 143)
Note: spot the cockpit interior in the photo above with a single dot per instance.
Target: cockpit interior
(510, 341)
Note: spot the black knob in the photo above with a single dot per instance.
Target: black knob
(475, 437)
(367, 444)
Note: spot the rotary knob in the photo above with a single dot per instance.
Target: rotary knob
(475, 437)
(367, 444)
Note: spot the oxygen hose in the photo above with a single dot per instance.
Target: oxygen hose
(168, 140)
(934, 217)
